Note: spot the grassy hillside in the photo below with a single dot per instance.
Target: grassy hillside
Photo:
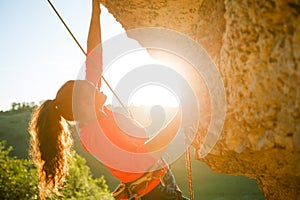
(207, 185)
(13, 129)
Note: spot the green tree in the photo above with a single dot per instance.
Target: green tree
(81, 184)
(21, 107)
(13, 106)
(18, 180)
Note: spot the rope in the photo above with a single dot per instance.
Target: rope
(78, 44)
(189, 171)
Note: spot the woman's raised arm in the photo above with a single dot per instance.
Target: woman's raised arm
(94, 47)
(94, 36)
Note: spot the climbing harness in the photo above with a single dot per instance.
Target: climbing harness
(137, 188)
(103, 78)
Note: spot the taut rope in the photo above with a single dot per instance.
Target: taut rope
(189, 171)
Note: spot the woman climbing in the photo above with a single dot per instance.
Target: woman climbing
(117, 141)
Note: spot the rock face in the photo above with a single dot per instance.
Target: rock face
(256, 46)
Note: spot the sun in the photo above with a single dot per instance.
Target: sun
(149, 94)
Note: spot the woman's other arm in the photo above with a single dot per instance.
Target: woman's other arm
(161, 140)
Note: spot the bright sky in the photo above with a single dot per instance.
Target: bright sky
(38, 54)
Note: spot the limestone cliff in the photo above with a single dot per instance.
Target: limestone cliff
(256, 46)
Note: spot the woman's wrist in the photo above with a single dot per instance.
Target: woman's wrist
(96, 11)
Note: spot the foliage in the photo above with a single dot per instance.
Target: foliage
(18, 179)
(81, 184)
(24, 106)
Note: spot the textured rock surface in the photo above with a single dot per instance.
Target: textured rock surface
(256, 45)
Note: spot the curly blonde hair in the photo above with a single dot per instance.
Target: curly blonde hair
(51, 141)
